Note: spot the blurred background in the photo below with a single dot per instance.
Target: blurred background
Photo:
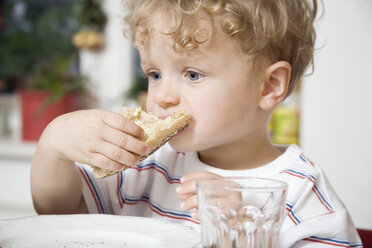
(58, 56)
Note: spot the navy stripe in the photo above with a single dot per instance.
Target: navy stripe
(316, 188)
(133, 200)
(357, 245)
(296, 172)
(336, 241)
(294, 216)
(321, 196)
(175, 179)
(303, 159)
(121, 178)
(147, 198)
(95, 190)
(292, 213)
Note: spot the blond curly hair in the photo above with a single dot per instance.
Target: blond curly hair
(280, 30)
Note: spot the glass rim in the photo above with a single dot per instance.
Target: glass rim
(277, 184)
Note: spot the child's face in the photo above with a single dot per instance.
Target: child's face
(213, 83)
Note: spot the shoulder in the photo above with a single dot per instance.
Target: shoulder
(333, 229)
(299, 168)
(307, 181)
(309, 192)
(314, 211)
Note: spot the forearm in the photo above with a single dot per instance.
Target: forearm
(55, 182)
(95, 137)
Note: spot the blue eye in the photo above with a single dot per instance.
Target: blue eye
(155, 76)
(194, 76)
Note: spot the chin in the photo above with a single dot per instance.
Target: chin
(181, 145)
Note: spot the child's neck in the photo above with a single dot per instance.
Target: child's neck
(240, 156)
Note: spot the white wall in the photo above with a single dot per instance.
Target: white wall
(15, 194)
(111, 70)
(336, 118)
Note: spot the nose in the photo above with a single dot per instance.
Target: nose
(167, 95)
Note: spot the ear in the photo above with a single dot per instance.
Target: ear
(275, 85)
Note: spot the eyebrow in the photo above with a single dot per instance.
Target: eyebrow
(143, 62)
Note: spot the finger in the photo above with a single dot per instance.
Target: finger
(184, 197)
(186, 188)
(198, 175)
(188, 182)
(195, 214)
(101, 161)
(121, 123)
(213, 192)
(125, 141)
(189, 203)
(117, 154)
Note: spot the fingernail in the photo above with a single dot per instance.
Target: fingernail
(142, 133)
(182, 205)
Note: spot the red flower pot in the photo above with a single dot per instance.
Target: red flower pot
(37, 113)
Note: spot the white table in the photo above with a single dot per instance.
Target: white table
(15, 195)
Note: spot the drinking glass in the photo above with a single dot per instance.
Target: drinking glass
(241, 212)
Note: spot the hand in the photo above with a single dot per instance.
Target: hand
(186, 191)
(96, 137)
(223, 198)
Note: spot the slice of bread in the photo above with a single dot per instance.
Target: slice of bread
(157, 131)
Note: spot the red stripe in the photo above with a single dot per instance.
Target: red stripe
(118, 191)
(302, 177)
(308, 160)
(90, 188)
(316, 193)
(293, 174)
(289, 215)
(159, 213)
(294, 221)
(320, 199)
(156, 169)
(327, 243)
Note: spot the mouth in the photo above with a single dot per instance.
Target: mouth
(181, 132)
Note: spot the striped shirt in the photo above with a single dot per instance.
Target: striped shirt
(315, 216)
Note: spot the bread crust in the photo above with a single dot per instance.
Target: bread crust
(157, 131)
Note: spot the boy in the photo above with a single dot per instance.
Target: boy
(228, 64)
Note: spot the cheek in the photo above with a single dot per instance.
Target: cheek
(222, 112)
(211, 116)
(149, 102)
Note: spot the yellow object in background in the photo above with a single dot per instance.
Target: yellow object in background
(285, 121)
(89, 39)
(285, 125)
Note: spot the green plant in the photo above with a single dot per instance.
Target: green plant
(140, 85)
(56, 78)
(92, 15)
(36, 51)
